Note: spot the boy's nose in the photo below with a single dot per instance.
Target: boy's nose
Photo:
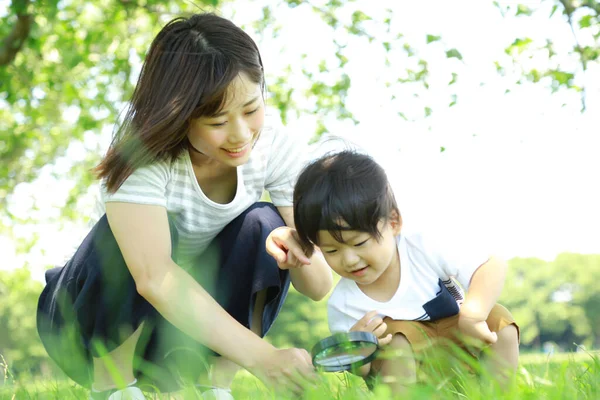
(350, 260)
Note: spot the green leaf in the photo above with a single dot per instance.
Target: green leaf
(585, 21)
(453, 102)
(359, 16)
(454, 78)
(562, 77)
(523, 10)
(433, 38)
(453, 53)
(534, 75)
(519, 44)
(293, 3)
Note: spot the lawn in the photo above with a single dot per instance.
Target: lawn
(560, 376)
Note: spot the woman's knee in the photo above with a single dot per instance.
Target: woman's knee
(263, 213)
(256, 221)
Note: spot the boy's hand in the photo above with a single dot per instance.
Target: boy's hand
(476, 328)
(283, 246)
(373, 324)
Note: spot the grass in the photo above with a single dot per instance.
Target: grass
(561, 376)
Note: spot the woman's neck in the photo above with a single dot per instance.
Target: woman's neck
(201, 160)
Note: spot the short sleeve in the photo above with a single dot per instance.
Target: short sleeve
(146, 185)
(452, 255)
(286, 159)
(462, 265)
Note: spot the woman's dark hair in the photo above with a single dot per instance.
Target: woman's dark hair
(341, 192)
(186, 74)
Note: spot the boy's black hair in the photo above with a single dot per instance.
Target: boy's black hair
(346, 187)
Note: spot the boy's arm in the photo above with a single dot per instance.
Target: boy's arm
(311, 277)
(484, 290)
(374, 324)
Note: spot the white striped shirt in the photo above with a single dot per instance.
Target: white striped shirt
(273, 166)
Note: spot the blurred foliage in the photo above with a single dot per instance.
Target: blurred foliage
(67, 69)
(555, 302)
(540, 60)
(18, 335)
(301, 323)
(68, 78)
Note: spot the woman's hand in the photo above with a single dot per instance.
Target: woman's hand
(286, 369)
(285, 248)
(373, 324)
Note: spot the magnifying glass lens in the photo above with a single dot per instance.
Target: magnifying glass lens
(344, 351)
(345, 354)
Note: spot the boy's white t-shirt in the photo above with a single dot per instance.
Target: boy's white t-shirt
(274, 164)
(427, 289)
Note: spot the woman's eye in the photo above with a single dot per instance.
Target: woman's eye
(361, 243)
(253, 111)
(218, 124)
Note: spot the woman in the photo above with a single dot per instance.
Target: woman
(186, 264)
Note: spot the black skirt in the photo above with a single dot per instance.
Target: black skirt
(91, 305)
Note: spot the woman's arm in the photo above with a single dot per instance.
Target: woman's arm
(313, 279)
(142, 232)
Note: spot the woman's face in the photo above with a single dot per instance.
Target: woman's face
(229, 136)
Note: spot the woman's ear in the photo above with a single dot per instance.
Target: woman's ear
(396, 221)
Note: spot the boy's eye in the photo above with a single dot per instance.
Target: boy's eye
(329, 251)
(361, 243)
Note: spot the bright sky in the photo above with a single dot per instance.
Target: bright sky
(521, 168)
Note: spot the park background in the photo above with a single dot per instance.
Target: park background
(487, 112)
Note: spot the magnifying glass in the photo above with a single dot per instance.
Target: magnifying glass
(344, 351)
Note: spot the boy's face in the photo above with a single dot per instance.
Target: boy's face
(362, 257)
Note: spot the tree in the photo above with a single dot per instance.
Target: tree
(554, 301)
(18, 344)
(583, 20)
(67, 69)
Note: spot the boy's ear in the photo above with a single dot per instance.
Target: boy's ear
(396, 221)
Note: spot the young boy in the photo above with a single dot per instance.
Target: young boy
(394, 283)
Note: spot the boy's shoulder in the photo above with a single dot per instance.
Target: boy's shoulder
(417, 239)
(421, 248)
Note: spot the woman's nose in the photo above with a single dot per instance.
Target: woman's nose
(240, 133)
